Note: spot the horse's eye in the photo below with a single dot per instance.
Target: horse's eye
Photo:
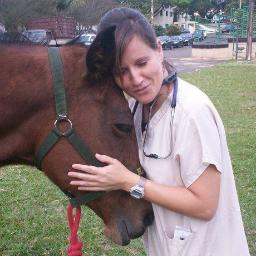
(123, 128)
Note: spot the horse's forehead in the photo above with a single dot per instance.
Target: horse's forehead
(117, 98)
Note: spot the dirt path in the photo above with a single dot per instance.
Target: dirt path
(182, 60)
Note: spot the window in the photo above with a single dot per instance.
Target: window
(170, 14)
(166, 13)
(161, 13)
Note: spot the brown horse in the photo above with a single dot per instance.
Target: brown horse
(101, 117)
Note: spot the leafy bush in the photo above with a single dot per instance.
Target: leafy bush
(172, 30)
(160, 31)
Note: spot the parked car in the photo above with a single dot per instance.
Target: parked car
(86, 39)
(206, 29)
(10, 37)
(220, 18)
(187, 38)
(165, 42)
(184, 30)
(40, 36)
(229, 28)
(198, 35)
(177, 41)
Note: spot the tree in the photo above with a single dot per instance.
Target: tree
(200, 6)
(63, 4)
(160, 31)
(145, 6)
(182, 4)
(142, 6)
(250, 31)
(89, 12)
(16, 13)
(172, 30)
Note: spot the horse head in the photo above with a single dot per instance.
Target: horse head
(99, 113)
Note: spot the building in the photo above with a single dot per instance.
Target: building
(166, 15)
(61, 27)
(2, 28)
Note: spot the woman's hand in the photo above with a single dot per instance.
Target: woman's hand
(113, 176)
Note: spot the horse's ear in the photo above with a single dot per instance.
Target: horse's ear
(105, 89)
(101, 56)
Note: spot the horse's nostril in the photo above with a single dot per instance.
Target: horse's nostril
(148, 218)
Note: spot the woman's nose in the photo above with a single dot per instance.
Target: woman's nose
(136, 77)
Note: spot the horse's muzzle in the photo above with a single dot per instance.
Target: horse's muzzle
(128, 231)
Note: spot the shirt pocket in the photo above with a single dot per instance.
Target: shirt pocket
(179, 247)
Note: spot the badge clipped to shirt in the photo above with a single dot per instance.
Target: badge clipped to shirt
(181, 233)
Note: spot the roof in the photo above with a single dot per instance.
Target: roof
(161, 8)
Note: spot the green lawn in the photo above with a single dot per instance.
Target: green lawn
(232, 88)
(33, 211)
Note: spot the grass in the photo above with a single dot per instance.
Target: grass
(33, 219)
(232, 88)
(33, 211)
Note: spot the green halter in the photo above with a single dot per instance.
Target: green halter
(70, 134)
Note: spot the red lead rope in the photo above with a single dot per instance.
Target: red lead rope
(75, 245)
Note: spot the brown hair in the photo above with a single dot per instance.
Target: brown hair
(116, 29)
(128, 23)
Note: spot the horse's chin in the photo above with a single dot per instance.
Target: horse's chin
(120, 233)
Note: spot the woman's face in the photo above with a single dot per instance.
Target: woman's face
(141, 73)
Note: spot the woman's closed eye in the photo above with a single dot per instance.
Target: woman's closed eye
(142, 63)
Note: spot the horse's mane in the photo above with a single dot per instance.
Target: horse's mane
(18, 39)
(75, 41)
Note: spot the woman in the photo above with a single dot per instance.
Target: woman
(182, 148)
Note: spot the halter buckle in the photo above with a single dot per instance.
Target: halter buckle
(63, 119)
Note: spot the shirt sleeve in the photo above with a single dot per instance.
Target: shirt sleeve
(198, 143)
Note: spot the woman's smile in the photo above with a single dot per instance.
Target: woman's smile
(142, 90)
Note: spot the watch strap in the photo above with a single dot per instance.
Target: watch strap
(142, 181)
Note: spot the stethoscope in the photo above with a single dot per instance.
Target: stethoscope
(172, 77)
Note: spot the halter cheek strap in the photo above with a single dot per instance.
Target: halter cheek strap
(70, 134)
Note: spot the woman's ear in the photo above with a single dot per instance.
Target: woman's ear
(160, 49)
(159, 45)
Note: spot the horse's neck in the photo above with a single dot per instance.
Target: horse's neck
(27, 106)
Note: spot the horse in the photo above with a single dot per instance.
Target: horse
(98, 111)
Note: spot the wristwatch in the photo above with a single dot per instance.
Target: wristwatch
(137, 191)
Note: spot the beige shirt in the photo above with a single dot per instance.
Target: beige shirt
(196, 139)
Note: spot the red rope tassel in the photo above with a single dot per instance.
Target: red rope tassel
(75, 245)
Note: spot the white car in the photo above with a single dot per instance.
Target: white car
(207, 29)
(40, 36)
(86, 39)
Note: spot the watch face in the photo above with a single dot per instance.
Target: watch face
(137, 192)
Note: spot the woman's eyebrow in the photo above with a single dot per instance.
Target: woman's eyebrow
(142, 58)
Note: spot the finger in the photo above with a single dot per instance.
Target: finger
(105, 159)
(82, 176)
(80, 167)
(83, 183)
(82, 188)
(85, 168)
